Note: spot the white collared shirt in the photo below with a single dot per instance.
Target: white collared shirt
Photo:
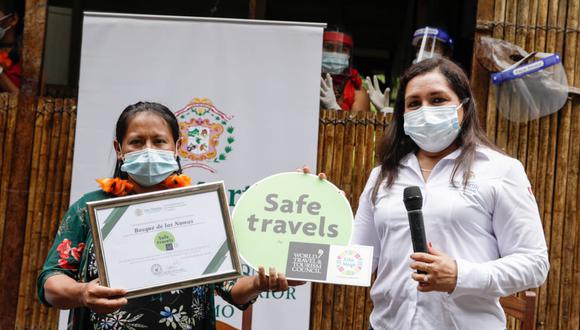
(492, 229)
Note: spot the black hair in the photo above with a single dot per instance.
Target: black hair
(396, 144)
(134, 109)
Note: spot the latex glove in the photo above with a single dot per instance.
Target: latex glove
(327, 97)
(380, 100)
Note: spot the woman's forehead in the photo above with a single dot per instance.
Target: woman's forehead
(147, 120)
(433, 82)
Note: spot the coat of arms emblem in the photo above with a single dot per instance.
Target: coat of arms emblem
(207, 134)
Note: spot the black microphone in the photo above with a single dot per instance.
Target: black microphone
(413, 203)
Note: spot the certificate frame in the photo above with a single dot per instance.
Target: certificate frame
(101, 228)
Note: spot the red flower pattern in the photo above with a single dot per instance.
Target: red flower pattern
(64, 248)
(65, 251)
(76, 252)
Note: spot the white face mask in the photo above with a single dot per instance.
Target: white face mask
(433, 128)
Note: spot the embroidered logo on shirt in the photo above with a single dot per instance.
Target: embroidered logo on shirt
(469, 189)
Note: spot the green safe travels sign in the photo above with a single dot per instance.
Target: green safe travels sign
(289, 208)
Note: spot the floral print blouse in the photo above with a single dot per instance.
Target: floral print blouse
(72, 254)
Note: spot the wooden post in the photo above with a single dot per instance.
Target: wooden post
(9, 103)
(565, 208)
(553, 207)
(541, 157)
(12, 250)
(337, 173)
(346, 185)
(317, 288)
(479, 75)
(247, 318)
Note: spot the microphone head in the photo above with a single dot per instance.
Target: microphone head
(413, 198)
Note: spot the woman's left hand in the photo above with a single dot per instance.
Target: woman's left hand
(440, 269)
(274, 281)
(306, 170)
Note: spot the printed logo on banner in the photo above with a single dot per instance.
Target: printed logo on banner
(207, 134)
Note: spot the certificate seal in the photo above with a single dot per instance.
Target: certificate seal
(165, 241)
(156, 269)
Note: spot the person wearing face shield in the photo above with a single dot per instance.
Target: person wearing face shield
(431, 42)
(428, 42)
(340, 85)
(10, 69)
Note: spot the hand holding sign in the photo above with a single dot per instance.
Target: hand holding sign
(306, 170)
(274, 281)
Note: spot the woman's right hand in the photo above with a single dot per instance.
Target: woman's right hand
(101, 299)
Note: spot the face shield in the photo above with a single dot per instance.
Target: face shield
(529, 91)
(527, 86)
(429, 42)
(336, 53)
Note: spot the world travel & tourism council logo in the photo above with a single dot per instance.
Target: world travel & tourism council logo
(207, 134)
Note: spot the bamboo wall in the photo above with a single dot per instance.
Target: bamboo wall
(549, 147)
(50, 179)
(8, 109)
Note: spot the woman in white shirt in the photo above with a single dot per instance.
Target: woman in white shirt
(481, 219)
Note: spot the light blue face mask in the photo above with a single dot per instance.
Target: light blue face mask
(433, 128)
(334, 63)
(149, 167)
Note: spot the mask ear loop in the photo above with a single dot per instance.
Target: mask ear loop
(179, 170)
(177, 159)
(118, 173)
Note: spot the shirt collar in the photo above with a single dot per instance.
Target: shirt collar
(482, 152)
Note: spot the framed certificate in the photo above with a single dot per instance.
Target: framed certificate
(164, 240)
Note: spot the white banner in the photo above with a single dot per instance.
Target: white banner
(246, 94)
